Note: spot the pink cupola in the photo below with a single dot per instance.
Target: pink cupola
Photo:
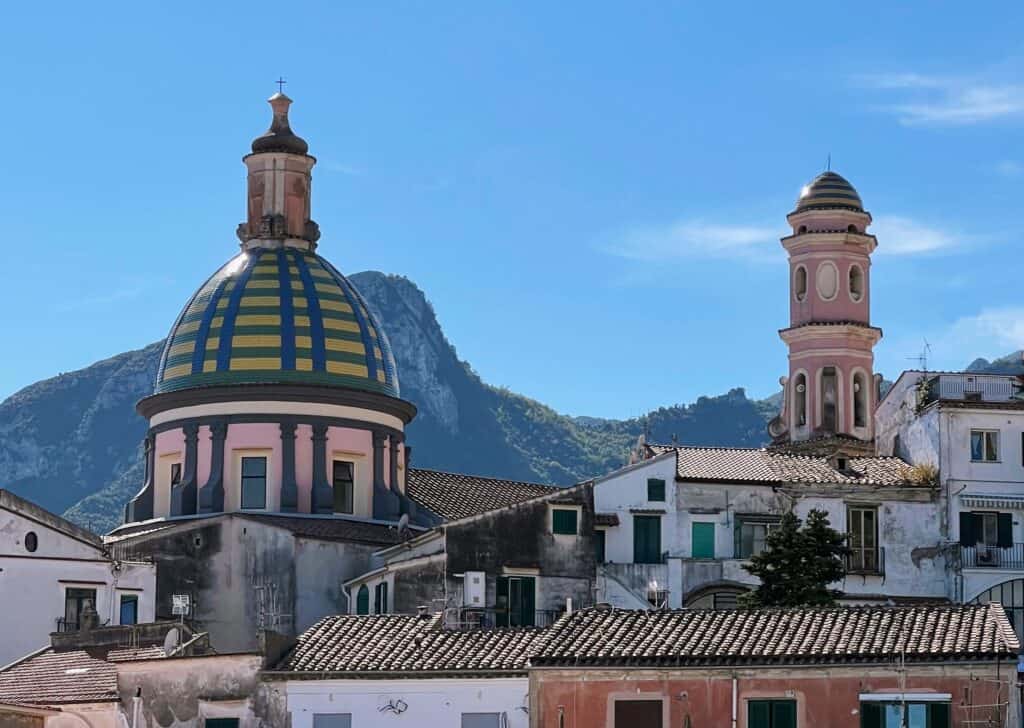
(831, 390)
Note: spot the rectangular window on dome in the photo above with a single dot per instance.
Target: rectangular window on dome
(344, 486)
(254, 483)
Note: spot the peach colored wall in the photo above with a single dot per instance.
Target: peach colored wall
(204, 453)
(304, 465)
(168, 447)
(826, 697)
(344, 443)
(840, 308)
(252, 436)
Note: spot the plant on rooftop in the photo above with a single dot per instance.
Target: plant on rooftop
(799, 562)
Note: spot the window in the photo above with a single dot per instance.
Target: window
(599, 535)
(860, 400)
(771, 714)
(856, 283)
(702, 543)
(31, 542)
(727, 598)
(985, 446)
(481, 720)
(343, 478)
(752, 535)
(656, 489)
(254, 483)
(221, 723)
(986, 528)
(647, 539)
(862, 538)
(800, 283)
(380, 598)
(332, 720)
(879, 714)
(800, 400)
(363, 600)
(175, 473)
(638, 714)
(828, 398)
(515, 605)
(75, 601)
(129, 609)
(564, 521)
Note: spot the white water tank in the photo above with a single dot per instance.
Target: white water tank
(474, 589)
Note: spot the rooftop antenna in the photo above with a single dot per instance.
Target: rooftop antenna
(922, 357)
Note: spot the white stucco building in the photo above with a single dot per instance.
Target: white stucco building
(678, 526)
(50, 569)
(970, 427)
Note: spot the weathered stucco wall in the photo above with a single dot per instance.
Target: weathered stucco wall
(826, 697)
(321, 568)
(184, 692)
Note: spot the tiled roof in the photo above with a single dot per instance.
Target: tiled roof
(155, 652)
(400, 643)
(52, 678)
(456, 495)
(771, 467)
(332, 528)
(598, 637)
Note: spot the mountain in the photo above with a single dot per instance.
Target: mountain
(1009, 364)
(72, 443)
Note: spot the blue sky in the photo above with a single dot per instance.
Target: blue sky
(590, 194)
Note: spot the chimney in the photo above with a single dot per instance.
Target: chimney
(89, 619)
(421, 612)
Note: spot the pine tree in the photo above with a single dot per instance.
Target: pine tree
(798, 564)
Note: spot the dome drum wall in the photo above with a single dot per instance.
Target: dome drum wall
(277, 316)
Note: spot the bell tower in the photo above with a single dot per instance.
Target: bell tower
(831, 389)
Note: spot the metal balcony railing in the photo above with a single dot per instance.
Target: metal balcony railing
(66, 625)
(866, 561)
(992, 557)
(493, 617)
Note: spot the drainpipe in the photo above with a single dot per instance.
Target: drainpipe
(136, 707)
(734, 700)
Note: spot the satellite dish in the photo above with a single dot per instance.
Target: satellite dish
(172, 640)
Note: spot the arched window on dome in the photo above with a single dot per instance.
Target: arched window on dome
(363, 600)
(860, 400)
(800, 283)
(856, 283)
(802, 230)
(800, 400)
(827, 397)
(852, 229)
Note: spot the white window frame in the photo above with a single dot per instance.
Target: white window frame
(984, 432)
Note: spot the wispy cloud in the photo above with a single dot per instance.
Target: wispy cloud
(992, 332)
(899, 235)
(1009, 168)
(693, 239)
(947, 100)
(346, 169)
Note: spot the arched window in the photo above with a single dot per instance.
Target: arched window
(860, 400)
(856, 282)
(852, 229)
(802, 230)
(363, 600)
(800, 400)
(828, 399)
(1011, 595)
(800, 283)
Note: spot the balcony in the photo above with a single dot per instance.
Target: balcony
(973, 387)
(866, 561)
(493, 617)
(66, 625)
(992, 557)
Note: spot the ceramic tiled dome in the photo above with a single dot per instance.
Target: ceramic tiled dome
(829, 191)
(282, 316)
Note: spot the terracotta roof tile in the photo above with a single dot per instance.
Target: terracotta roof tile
(52, 678)
(402, 643)
(768, 466)
(457, 495)
(597, 637)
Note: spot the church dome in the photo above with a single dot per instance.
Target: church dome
(277, 316)
(829, 191)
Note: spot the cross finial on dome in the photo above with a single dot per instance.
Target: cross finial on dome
(280, 84)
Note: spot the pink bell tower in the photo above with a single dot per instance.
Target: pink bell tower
(831, 390)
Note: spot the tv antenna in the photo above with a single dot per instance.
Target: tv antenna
(922, 357)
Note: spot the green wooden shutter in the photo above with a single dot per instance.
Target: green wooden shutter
(655, 489)
(501, 602)
(647, 539)
(759, 714)
(938, 715)
(872, 715)
(363, 600)
(737, 538)
(599, 545)
(703, 540)
(966, 528)
(783, 714)
(1005, 530)
(564, 521)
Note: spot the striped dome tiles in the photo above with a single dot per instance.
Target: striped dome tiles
(281, 316)
(829, 191)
